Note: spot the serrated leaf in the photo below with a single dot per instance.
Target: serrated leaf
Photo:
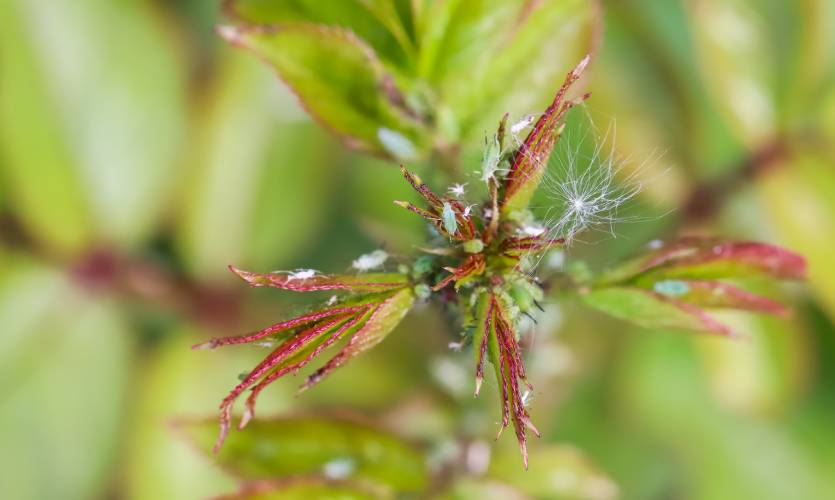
(382, 321)
(707, 259)
(376, 22)
(339, 80)
(315, 445)
(371, 282)
(365, 320)
(530, 161)
(651, 310)
(716, 294)
(456, 36)
(523, 65)
(497, 342)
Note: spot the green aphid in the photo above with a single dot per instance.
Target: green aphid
(422, 265)
(423, 291)
(448, 219)
(671, 288)
(490, 160)
(525, 295)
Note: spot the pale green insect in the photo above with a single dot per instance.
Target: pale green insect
(671, 288)
(490, 160)
(448, 219)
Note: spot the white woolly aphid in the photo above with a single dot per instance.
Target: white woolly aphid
(301, 274)
(520, 126)
(457, 190)
(370, 261)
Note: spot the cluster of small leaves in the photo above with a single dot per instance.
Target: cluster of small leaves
(481, 263)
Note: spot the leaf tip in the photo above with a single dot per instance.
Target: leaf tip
(581, 66)
(204, 346)
(230, 33)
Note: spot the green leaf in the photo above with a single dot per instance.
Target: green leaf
(663, 386)
(302, 489)
(175, 383)
(490, 57)
(368, 282)
(249, 167)
(45, 191)
(556, 471)
(651, 310)
(716, 294)
(469, 488)
(65, 362)
(798, 197)
(270, 449)
(456, 36)
(90, 138)
(741, 69)
(480, 331)
(707, 259)
(340, 81)
(376, 22)
(521, 67)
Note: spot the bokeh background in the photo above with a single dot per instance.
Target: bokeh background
(140, 155)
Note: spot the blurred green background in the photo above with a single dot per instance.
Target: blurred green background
(140, 155)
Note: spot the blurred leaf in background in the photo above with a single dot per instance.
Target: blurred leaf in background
(65, 369)
(91, 126)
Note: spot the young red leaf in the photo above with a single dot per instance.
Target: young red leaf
(383, 319)
(365, 320)
(497, 338)
(371, 282)
(449, 216)
(708, 258)
(473, 265)
(531, 159)
(341, 82)
(716, 294)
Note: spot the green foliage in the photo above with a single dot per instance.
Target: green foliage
(140, 155)
(403, 80)
(48, 323)
(339, 449)
(72, 152)
(340, 81)
(302, 490)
